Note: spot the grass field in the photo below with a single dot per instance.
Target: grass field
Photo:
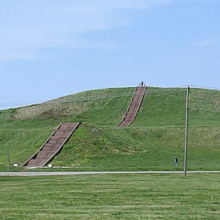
(110, 197)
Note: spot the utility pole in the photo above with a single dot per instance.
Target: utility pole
(186, 130)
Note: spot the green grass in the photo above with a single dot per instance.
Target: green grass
(151, 143)
(110, 197)
(24, 130)
(100, 107)
(162, 107)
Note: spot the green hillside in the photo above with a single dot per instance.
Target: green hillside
(151, 143)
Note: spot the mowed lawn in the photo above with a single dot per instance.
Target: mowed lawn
(111, 196)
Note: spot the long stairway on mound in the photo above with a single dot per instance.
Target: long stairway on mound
(52, 146)
(133, 107)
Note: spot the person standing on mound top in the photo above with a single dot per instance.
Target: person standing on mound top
(176, 161)
(142, 83)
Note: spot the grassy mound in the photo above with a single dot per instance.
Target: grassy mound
(151, 143)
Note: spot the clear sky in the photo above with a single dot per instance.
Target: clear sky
(53, 48)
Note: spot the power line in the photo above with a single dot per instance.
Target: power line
(104, 128)
(202, 87)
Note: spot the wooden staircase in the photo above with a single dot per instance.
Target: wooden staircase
(52, 146)
(133, 107)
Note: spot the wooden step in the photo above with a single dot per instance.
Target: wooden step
(52, 146)
(134, 107)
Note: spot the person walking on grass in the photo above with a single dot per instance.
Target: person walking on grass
(176, 161)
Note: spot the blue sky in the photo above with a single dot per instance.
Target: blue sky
(53, 48)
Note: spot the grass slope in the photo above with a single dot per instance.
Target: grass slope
(150, 143)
